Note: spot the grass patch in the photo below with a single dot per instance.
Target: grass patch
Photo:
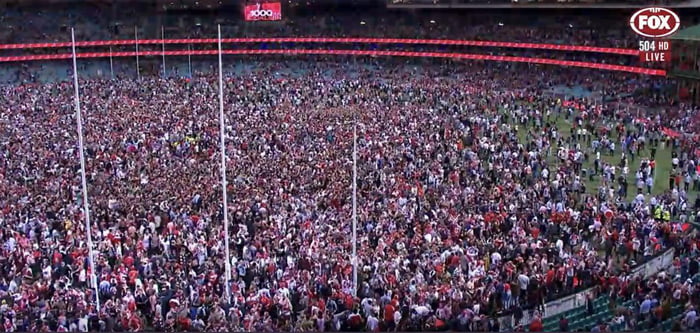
(663, 158)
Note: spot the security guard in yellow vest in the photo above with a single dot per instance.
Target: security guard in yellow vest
(667, 215)
(657, 213)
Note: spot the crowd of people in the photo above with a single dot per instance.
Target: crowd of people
(667, 301)
(477, 196)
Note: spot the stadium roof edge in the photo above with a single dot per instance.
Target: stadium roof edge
(429, 5)
(689, 33)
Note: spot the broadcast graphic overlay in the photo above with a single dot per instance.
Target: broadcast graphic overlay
(654, 24)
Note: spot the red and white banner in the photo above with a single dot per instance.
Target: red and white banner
(268, 11)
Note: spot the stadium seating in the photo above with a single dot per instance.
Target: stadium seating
(576, 314)
(579, 320)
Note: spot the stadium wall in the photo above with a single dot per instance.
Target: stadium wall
(562, 305)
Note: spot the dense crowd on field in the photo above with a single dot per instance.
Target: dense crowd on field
(477, 196)
(480, 195)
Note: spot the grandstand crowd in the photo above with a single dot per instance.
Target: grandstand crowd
(480, 196)
(94, 22)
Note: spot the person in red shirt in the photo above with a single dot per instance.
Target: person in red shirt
(563, 324)
(389, 310)
(536, 325)
(135, 323)
(355, 321)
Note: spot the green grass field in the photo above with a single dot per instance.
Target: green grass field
(662, 170)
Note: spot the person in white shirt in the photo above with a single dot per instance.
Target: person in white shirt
(523, 281)
(421, 310)
(397, 318)
(495, 258)
(367, 305)
(372, 323)
(690, 318)
(83, 324)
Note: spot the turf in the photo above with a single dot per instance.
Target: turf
(661, 172)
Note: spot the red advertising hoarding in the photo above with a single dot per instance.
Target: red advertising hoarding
(268, 11)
